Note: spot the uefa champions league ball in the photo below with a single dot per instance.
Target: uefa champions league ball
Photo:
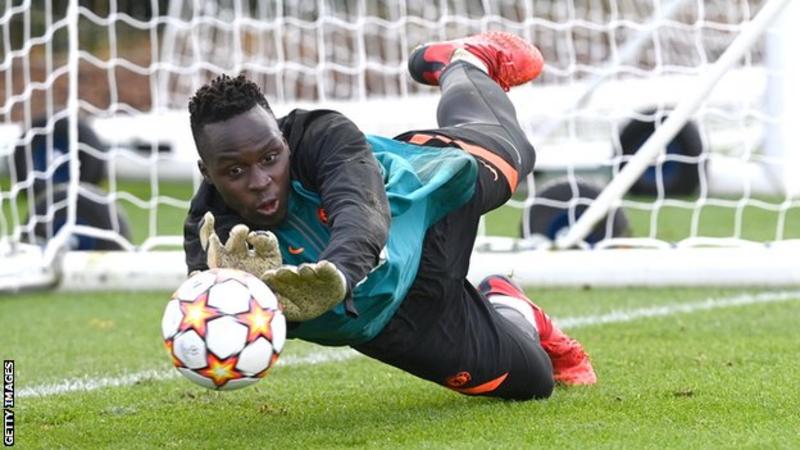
(223, 329)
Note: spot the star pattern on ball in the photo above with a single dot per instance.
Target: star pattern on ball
(258, 321)
(196, 314)
(221, 371)
(169, 344)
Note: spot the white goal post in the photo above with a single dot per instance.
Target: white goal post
(666, 130)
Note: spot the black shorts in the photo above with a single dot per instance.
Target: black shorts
(445, 331)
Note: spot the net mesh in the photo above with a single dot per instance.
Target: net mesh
(612, 67)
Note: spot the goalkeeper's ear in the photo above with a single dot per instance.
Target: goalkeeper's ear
(201, 166)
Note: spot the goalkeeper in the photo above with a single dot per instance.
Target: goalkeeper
(366, 240)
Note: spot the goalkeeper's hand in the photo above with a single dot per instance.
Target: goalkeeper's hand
(251, 251)
(307, 291)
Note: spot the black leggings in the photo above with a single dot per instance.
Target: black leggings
(474, 113)
(445, 331)
(473, 102)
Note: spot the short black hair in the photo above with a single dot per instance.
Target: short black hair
(222, 98)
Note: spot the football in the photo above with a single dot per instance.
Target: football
(223, 329)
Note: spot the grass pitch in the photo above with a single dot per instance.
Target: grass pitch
(678, 368)
(760, 221)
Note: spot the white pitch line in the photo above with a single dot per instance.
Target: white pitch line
(677, 308)
(86, 384)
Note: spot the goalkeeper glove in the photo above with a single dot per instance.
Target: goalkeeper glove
(251, 251)
(307, 291)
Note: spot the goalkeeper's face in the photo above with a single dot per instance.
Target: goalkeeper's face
(247, 159)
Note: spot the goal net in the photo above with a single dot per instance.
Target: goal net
(665, 130)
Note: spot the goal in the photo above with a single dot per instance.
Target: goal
(666, 130)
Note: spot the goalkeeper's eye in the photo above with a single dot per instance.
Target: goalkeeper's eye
(269, 158)
(235, 171)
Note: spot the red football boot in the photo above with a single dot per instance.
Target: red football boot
(510, 59)
(571, 364)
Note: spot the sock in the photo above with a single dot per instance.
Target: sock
(462, 54)
(518, 305)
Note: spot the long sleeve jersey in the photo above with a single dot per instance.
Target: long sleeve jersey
(361, 202)
(330, 156)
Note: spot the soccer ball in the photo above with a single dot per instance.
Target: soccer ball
(223, 329)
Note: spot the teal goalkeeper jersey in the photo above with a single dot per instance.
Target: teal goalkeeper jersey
(422, 184)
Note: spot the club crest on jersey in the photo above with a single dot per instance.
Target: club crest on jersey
(322, 215)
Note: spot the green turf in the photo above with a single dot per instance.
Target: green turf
(670, 223)
(716, 379)
(162, 221)
(724, 378)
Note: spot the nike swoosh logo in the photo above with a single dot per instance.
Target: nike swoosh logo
(296, 250)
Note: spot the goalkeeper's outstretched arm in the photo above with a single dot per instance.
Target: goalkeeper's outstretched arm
(332, 157)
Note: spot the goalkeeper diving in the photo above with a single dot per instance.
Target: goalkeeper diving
(366, 240)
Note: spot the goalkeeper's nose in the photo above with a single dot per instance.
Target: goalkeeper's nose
(259, 179)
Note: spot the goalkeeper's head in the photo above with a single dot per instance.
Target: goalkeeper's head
(242, 150)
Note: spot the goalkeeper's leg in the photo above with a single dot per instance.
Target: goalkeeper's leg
(491, 342)
(474, 112)
(446, 332)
